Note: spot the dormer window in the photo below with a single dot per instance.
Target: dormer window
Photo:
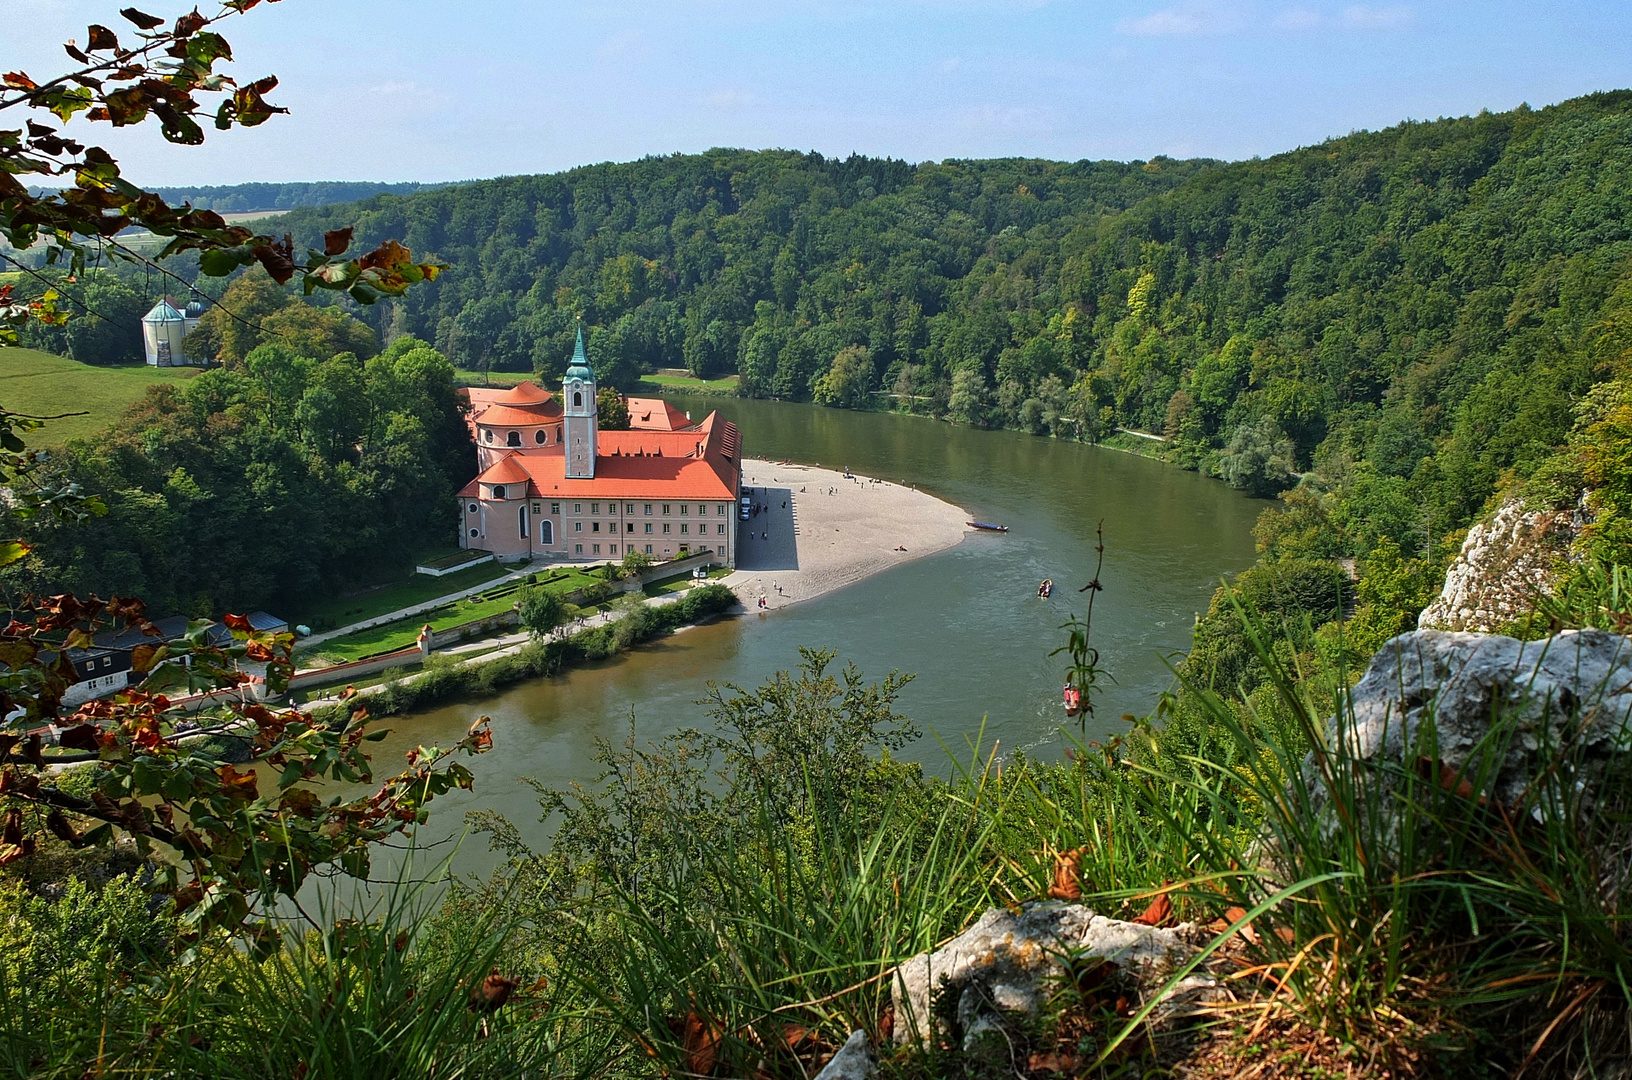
(487, 434)
(498, 491)
(513, 439)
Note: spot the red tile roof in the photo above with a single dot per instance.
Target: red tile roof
(655, 414)
(505, 471)
(547, 412)
(523, 393)
(697, 464)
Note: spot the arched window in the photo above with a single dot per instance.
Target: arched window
(558, 433)
(487, 434)
(513, 439)
(498, 491)
(539, 437)
(521, 519)
(577, 400)
(546, 531)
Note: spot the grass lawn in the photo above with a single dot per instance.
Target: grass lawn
(663, 381)
(496, 378)
(42, 384)
(682, 582)
(404, 632)
(415, 589)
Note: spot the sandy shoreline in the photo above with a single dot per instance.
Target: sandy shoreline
(821, 531)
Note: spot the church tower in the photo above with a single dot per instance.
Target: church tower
(578, 406)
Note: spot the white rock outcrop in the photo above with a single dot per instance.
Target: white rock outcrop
(1001, 967)
(1577, 685)
(854, 1061)
(1504, 564)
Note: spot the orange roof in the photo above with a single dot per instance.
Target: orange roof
(545, 412)
(655, 414)
(633, 464)
(523, 393)
(506, 470)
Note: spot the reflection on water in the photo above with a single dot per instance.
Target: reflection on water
(967, 622)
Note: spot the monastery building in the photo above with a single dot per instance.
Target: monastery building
(553, 485)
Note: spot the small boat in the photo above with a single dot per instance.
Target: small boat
(987, 525)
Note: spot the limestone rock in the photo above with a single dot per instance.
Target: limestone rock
(1578, 679)
(854, 1061)
(1001, 967)
(1504, 563)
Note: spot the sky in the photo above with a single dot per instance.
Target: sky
(416, 90)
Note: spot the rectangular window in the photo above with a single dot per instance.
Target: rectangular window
(665, 509)
(720, 509)
(721, 550)
(577, 549)
(684, 528)
(612, 549)
(594, 508)
(682, 509)
(577, 526)
(630, 527)
(628, 508)
(577, 508)
(538, 508)
(648, 508)
(595, 526)
(665, 526)
(648, 527)
(648, 549)
(720, 529)
(555, 508)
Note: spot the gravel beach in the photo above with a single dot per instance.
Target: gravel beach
(820, 531)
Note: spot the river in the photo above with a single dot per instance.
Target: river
(967, 621)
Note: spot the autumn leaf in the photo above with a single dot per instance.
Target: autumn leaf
(238, 785)
(141, 18)
(1158, 913)
(1067, 876)
(336, 241)
(99, 38)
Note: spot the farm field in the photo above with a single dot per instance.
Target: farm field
(43, 385)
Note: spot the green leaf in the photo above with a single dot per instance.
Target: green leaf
(12, 550)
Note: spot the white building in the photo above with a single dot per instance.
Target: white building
(163, 330)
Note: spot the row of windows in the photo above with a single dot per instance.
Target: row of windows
(612, 527)
(612, 508)
(541, 437)
(612, 549)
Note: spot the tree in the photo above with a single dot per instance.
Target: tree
(848, 381)
(634, 562)
(611, 410)
(1258, 459)
(113, 335)
(970, 402)
(227, 331)
(542, 610)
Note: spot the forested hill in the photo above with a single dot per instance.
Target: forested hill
(670, 260)
(1409, 314)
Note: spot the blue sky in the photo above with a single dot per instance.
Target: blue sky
(415, 90)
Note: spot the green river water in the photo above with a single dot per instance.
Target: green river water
(966, 621)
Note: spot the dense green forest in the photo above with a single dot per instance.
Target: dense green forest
(1406, 317)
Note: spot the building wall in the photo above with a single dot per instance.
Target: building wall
(590, 530)
(489, 452)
